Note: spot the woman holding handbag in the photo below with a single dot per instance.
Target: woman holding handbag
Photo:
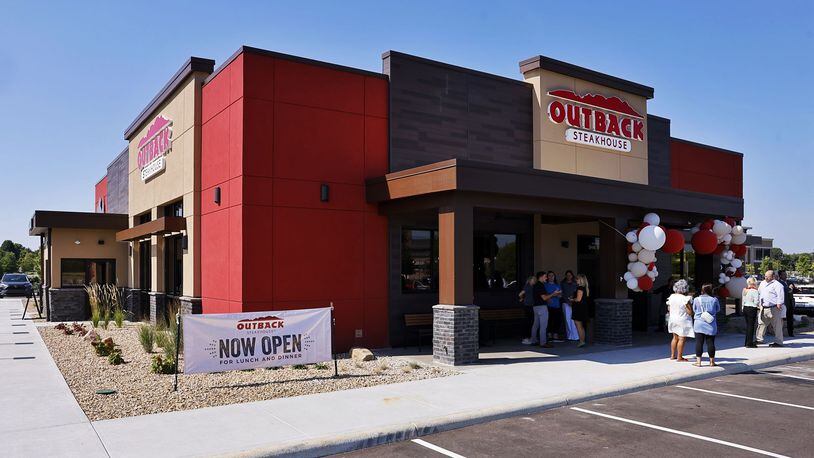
(705, 325)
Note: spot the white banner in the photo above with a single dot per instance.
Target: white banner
(237, 341)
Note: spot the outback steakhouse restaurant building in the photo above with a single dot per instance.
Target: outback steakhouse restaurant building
(277, 182)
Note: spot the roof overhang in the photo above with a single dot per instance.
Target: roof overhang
(46, 219)
(479, 178)
(159, 226)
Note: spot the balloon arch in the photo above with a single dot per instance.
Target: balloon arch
(723, 237)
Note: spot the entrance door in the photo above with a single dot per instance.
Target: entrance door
(145, 272)
(588, 259)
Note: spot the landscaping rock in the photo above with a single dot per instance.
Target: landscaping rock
(361, 354)
(90, 336)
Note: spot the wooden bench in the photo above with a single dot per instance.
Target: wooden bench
(421, 322)
(492, 318)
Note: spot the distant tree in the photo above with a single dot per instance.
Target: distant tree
(8, 262)
(30, 262)
(776, 253)
(768, 263)
(803, 266)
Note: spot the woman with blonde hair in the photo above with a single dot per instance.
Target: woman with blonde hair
(680, 322)
(580, 307)
(750, 300)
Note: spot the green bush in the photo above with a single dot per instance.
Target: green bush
(115, 357)
(118, 317)
(146, 336)
(103, 347)
(162, 365)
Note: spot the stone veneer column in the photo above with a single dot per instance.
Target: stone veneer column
(132, 304)
(190, 305)
(68, 304)
(158, 306)
(455, 334)
(613, 324)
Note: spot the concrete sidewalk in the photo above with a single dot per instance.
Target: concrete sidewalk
(344, 420)
(40, 416)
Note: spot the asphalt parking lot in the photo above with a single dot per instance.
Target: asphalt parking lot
(770, 413)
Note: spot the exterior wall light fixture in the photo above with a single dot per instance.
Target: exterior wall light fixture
(324, 192)
(77, 241)
(217, 195)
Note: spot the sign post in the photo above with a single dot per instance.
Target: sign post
(177, 346)
(333, 346)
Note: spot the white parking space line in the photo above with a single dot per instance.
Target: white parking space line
(777, 374)
(680, 433)
(438, 449)
(745, 397)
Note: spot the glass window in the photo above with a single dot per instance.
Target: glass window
(76, 273)
(419, 260)
(174, 209)
(174, 265)
(495, 257)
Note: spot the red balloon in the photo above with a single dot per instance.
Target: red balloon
(645, 283)
(723, 292)
(720, 249)
(651, 266)
(739, 273)
(730, 220)
(739, 250)
(674, 242)
(707, 225)
(704, 242)
(630, 248)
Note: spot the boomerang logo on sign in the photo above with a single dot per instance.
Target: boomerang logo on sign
(237, 341)
(592, 117)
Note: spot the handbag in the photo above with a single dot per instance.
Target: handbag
(707, 317)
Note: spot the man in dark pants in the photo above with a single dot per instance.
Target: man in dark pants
(788, 299)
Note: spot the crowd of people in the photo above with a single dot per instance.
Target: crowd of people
(764, 305)
(561, 310)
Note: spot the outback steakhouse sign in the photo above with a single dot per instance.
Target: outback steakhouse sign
(237, 341)
(152, 148)
(596, 120)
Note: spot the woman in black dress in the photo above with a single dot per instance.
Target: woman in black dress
(580, 311)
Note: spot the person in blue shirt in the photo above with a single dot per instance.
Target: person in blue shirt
(552, 298)
(705, 325)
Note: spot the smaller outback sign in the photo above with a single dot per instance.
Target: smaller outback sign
(237, 341)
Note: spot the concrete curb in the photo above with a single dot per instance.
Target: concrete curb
(405, 431)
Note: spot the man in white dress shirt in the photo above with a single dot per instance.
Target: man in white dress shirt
(772, 310)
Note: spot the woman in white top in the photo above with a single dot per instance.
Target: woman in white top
(680, 324)
(750, 301)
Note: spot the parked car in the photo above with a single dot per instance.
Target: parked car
(804, 300)
(15, 285)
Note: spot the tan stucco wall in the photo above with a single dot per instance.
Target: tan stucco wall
(549, 253)
(552, 152)
(179, 180)
(63, 246)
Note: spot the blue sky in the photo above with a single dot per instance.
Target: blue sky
(733, 74)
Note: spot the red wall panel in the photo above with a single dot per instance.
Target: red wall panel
(100, 195)
(709, 170)
(276, 130)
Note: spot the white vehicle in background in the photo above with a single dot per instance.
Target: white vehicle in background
(804, 300)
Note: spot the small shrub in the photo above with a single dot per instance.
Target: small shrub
(406, 369)
(161, 365)
(166, 341)
(67, 331)
(95, 317)
(146, 337)
(61, 326)
(377, 370)
(103, 347)
(321, 366)
(161, 337)
(299, 366)
(383, 366)
(115, 357)
(118, 317)
(105, 319)
(78, 328)
(415, 365)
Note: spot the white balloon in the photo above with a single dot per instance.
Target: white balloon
(637, 247)
(721, 228)
(652, 219)
(633, 284)
(729, 254)
(630, 265)
(638, 290)
(647, 256)
(652, 238)
(651, 274)
(736, 285)
(738, 239)
(632, 257)
(695, 229)
(629, 275)
(727, 238)
(736, 263)
(730, 269)
(737, 230)
(638, 269)
(724, 260)
(631, 237)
